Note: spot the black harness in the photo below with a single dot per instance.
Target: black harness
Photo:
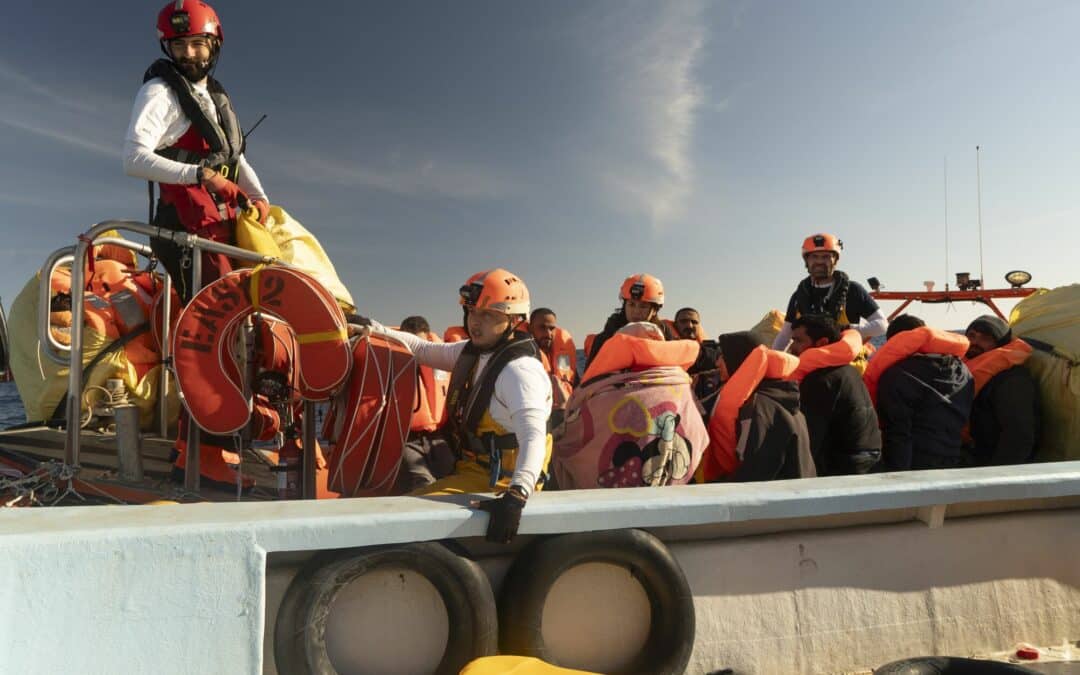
(834, 302)
(223, 134)
(466, 401)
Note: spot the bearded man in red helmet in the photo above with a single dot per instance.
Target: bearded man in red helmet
(185, 136)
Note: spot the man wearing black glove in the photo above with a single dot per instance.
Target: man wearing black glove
(505, 513)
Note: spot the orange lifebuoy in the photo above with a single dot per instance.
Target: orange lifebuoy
(921, 340)
(988, 364)
(845, 350)
(202, 349)
(622, 351)
(720, 458)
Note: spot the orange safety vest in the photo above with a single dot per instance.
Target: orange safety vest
(721, 459)
(429, 408)
(627, 352)
(561, 364)
(455, 334)
(922, 340)
(845, 350)
(988, 364)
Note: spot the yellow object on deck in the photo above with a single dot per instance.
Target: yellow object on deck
(1053, 317)
(517, 665)
(285, 238)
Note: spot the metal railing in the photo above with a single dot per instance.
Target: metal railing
(55, 351)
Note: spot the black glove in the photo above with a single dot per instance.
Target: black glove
(357, 320)
(505, 513)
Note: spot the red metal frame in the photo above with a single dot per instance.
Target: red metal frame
(985, 296)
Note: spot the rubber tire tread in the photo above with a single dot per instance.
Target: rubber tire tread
(300, 627)
(539, 565)
(951, 665)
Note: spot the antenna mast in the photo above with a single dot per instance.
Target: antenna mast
(945, 162)
(978, 188)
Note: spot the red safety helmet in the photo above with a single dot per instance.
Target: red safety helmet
(644, 287)
(182, 18)
(822, 242)
(496, 289)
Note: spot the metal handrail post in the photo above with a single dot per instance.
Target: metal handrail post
(163, 397)
(75, 371)
(194, 455)
(310, 465)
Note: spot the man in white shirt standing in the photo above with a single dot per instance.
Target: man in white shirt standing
(185, 136)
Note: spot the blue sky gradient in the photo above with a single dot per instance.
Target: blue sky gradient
(577, 143)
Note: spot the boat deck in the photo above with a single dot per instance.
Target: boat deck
(99, 479)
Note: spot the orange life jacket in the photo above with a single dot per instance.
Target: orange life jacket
(429, 408)
(988, 364)
(721, 458)
(622, 352)
(922, 340)
(455, 334)
(589, 339)
(845, 350)
(561, 363)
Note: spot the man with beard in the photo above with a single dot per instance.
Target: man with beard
(185, 136)
(559, 356)
(1005, 414)
(829, 292)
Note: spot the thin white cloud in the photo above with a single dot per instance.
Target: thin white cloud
(60, 136)
(653, 51)
(424, 177)
(29, 85)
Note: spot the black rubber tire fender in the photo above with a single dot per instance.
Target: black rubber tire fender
(300, 627)
(951, 665)
(539, 565)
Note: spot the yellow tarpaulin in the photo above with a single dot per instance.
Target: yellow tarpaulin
(293, 243)
(1053, 317)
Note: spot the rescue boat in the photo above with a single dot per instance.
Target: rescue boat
(824, 575)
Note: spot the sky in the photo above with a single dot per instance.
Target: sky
(576, 143)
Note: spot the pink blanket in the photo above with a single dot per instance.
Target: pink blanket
(631, 430)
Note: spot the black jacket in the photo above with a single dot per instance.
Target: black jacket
(923, 403)
(1005, 418)
(843, 425)
(772, 436)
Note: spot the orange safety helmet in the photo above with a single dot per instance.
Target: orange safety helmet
(822, 241)
(182, 18)
(496, 289)
(643, 287)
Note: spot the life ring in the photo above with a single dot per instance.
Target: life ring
(203, 353)
(535, 570)
(951, 665)
(300, 628)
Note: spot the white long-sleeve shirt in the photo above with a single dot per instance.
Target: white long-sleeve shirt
(157, 122)
(520, 403)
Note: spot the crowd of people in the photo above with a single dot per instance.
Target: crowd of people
(813, 403)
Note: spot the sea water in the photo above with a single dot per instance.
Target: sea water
(11, 410)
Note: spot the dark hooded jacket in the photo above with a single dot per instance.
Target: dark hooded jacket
(772, 435)
(923, 403)
(843, 425)
(1005, 418)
